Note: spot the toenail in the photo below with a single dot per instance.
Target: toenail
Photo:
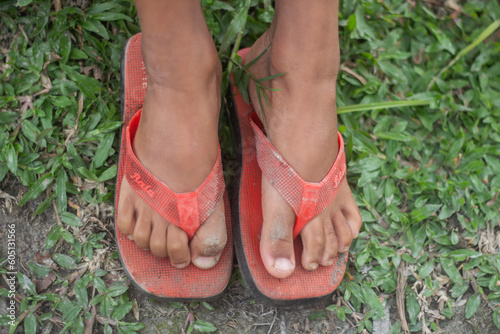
(329, 262)
(130, 237)
(313, 266)
(181, 265)
(283, 264)
(205, 262)
(345, 249)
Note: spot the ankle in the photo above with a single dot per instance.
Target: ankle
(190, 65)
(318, 65)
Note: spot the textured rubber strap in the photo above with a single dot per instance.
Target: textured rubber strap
(185, 210)
(307, 199)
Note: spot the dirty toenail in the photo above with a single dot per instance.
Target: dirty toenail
(329, 262)
(283, 264)
(313, 266)
(345, 249)
(130, 237)
(205, 262)
(181, 265)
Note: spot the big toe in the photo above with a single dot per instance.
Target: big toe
(276, 245)
(210, 239)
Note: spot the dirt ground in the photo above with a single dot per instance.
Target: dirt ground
(235, 312)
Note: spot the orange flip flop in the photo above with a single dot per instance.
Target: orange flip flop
(259, 157)
(150, 274)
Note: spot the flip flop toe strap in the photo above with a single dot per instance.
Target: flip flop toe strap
(307, 199)
(185, 210)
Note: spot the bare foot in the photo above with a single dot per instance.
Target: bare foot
(177, 138)
(302, 125)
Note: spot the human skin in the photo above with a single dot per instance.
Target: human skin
(177, 135)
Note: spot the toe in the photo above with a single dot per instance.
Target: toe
(158, 242)
(177, 246)
(209, 241)
(276, 245)
(142, 230)
(353, 216)
(313, 239)
(342, 231)
(126, 211)
(331, 247)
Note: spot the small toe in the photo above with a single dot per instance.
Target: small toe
(142, 230)
(313, 240)
(350, 210)
(353, 217)
(331, 247)
(177, 247)
(342, 231)
(125, 217)
(158, 242)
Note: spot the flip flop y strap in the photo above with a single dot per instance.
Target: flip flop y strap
(307, 199)
(185, 210)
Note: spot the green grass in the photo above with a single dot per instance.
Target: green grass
(420, 115)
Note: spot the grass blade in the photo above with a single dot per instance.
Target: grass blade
(260, 100)
(381, 105)
(271, 77)
(36, 189)
(485, 34)
(247, 66)
(236, 26)
(267, 101)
